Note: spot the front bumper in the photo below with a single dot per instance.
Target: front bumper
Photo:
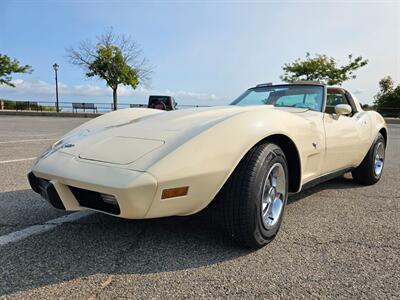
(70, 184)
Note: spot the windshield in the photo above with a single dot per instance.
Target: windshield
(303, 96)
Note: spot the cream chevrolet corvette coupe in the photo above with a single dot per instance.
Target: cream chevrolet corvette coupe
(240, 161)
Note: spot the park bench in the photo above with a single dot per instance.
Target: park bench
(27, 105)
(84, 106)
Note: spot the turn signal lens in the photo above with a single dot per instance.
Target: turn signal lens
(175, 192)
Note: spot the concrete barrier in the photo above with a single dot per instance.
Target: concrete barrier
(49, 114)
(392, 120)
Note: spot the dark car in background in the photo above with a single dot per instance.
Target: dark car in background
(162, 102)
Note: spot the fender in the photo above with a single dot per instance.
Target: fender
(209, 158)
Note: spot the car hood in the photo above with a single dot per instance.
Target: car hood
(124, 142)
(128, 141)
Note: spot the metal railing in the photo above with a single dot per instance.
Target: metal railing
(87, 107)
(74, 107)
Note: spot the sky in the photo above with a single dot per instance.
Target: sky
(202, 52)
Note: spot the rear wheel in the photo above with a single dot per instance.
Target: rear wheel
(251, 204)
(370, 170)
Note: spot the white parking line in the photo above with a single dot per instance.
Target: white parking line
(26, 141)
(37, 229)
(16, 160)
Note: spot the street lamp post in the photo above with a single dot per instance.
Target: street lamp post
(55, 67)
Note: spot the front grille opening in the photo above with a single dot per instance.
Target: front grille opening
(95, 200)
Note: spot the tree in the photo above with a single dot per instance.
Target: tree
(115, 59)
(386, 85)
(9, 66)
(322, 68)
(388, 95)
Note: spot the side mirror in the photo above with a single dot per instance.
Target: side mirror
(343, 109)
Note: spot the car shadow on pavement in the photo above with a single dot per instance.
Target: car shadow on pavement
(339, 183)
(101, 244)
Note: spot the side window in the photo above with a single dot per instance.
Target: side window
(333, 99)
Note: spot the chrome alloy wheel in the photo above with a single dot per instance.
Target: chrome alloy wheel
(379, 159)
(273, 196)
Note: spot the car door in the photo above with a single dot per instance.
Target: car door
(307, 104)
(312, 144)
(345, 136)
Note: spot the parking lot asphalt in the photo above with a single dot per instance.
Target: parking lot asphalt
(338, 240)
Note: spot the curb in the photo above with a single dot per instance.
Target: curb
(48, 114)
(392, 120)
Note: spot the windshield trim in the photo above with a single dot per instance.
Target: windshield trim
(234, 102)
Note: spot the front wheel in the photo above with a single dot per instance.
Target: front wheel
(252, 202)
(370, 170)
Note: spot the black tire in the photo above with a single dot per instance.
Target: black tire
(366, 173)
(238, 205)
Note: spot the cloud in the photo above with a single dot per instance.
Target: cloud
(30, 89)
